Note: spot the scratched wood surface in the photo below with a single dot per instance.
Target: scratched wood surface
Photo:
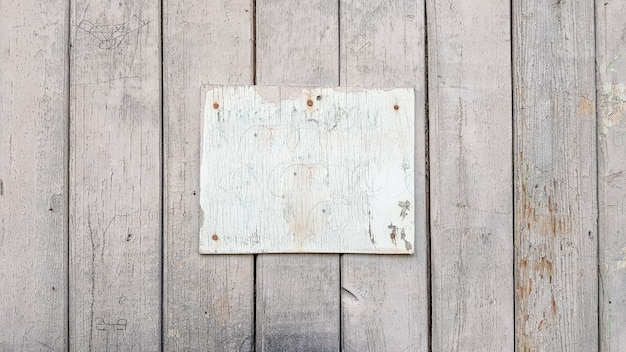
(469, 76)
(33, 175)
(89, 137)
(555, 176)
(208, 300)
(611, 94)
(297, 302)
(384, 299)
(115, 176)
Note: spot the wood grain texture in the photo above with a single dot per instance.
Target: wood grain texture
(385, 299)
(297, 295)
(470, 109)
(307, 170)
(611, 94)
(33, 175)
(208, 300)
(555, 176)
(115, 185)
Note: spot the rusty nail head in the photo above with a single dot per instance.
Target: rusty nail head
(214, 237)
(396, 107)
(309, 102)
(216, 105)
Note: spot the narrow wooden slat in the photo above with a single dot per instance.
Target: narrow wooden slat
(115, 171)
(470, 111)
(611, 93)
(208, 300)
(555, 176)
(297, 295)
(385, 298)
(33, 175)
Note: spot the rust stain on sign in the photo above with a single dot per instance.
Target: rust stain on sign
(283, 170)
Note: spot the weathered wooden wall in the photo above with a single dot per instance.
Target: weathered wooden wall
(520, 110)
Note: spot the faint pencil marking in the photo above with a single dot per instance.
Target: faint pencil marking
(108, 327)
(110, 36)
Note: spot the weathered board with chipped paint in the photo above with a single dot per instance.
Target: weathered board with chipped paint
(555, 176)
(611, 93)
(87, 265)
(307, 170)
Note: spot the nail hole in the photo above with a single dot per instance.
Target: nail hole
(319, 97)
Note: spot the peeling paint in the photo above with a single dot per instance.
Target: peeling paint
(586, 106)
(612, 104)
(541, 213)
(544, 268)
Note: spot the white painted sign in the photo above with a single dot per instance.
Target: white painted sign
(288, 169)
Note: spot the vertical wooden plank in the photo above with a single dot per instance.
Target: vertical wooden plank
(385, 298)
(471, 175)
(33, 175)
(208, 300)
(297, 295)
(115, 203)
(611, 93)
(555, 176)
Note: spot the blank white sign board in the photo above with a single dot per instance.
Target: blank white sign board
(307, 170)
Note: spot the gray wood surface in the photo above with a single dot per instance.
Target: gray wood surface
(469, 76)
(115, 182)
(208, 300)
(385, 298)
(555, 176)
(526, 249)
(611, 94)
(33, 175)
(297, 307)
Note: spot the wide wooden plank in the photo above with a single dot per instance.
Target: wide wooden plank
(115, 170)
(297, 295)
(555, 176)
(208, 300)
(469, 76)
(33, 175)
(385, 299)
(611, 93)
